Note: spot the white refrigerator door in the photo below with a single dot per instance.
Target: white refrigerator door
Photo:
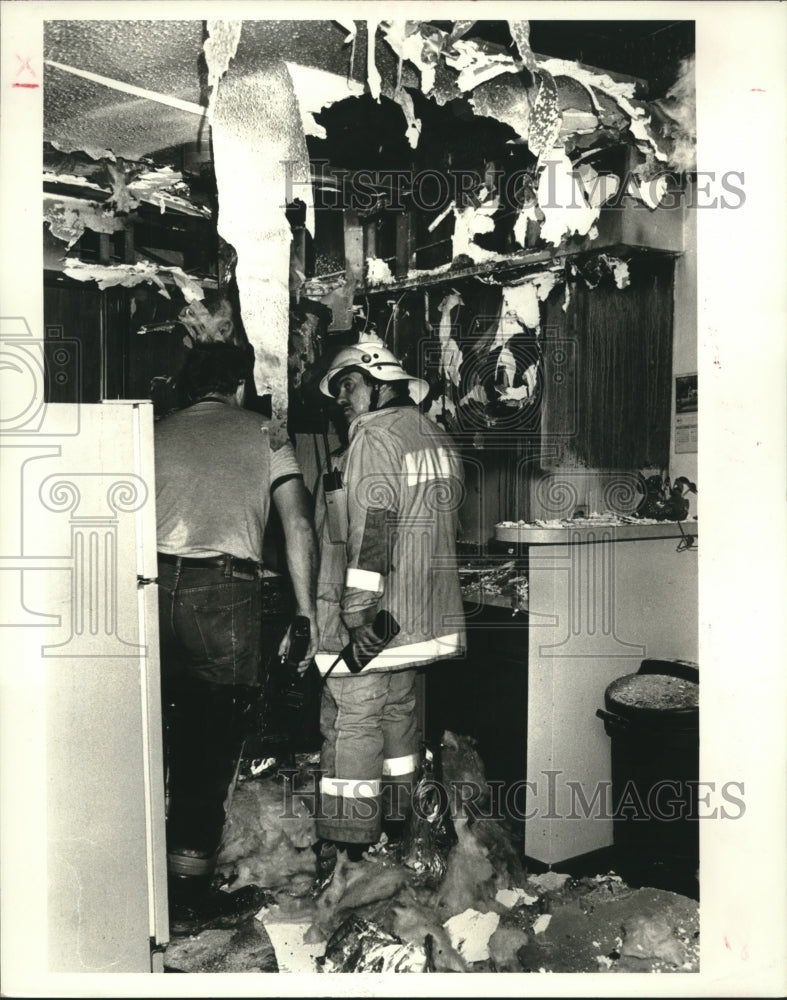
(84, 586)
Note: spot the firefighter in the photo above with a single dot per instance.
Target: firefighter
(388, 542)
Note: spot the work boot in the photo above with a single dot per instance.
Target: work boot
(354, 852)
(326, 853)
(195, 906)
(394, 830)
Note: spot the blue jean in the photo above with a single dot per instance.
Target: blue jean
(209, 624)
(211, 645)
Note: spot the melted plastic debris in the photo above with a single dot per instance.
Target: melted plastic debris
(130, 185)
(506, 363)
(450, 361)
(519, 309)
(529, 215)
(498, 98)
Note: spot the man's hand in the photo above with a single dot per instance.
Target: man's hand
(284, 645)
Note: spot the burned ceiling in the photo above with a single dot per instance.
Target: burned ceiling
(165, 58)
(200, 120)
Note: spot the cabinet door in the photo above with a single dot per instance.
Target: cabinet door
(85, 331)
(484, 696)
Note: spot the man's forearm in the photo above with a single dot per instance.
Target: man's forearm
(302, 563)
(292, 504)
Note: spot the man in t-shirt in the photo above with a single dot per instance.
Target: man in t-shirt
(215, 477)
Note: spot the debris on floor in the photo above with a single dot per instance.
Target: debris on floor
(470, 933)
(465, 905)
(245, 948)
(268, 838)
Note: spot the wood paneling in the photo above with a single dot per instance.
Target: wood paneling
(73, 342)
(608, 369)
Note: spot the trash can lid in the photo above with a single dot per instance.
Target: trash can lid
(654, 693)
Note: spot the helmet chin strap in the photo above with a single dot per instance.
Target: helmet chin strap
(374, 397)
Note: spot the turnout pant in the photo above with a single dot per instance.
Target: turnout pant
(369, 755)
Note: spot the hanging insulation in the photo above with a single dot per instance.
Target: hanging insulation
(259, 150)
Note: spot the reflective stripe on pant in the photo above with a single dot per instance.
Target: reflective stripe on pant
(369, 756)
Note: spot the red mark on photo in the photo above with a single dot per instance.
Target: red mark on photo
(727, 944)
(30, 82)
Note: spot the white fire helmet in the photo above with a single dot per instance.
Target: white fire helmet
(378, 362)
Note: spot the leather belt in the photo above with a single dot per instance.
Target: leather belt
(230, 564)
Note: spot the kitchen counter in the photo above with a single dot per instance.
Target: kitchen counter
(586, 530)
(602, 597)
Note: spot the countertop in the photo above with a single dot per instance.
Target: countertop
(586, 530)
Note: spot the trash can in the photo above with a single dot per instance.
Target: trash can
(653, 719)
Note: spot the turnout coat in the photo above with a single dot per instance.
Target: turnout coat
(394, 546)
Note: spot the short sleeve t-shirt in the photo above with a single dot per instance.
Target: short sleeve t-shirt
(215, 473)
